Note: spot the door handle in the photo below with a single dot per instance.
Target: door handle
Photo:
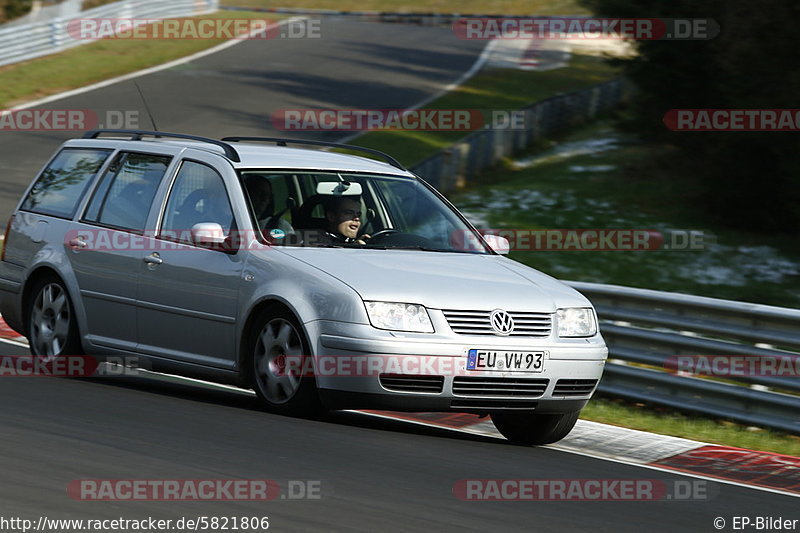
(77, 242)
(153, 259)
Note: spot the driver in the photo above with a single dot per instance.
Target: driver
(343, 220)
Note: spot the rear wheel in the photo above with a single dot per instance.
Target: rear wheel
(281, 370)
(52, 329)
(534, 428)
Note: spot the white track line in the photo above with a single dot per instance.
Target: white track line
(619, 460)
(677, 472)
(15, 343)
(477, 66)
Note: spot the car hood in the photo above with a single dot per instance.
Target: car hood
(440, 280)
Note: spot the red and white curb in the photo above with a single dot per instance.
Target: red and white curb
(762, 470)
(530, 56)
(8, 333)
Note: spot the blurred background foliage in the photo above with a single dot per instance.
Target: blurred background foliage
(11, 9)
(746, 180)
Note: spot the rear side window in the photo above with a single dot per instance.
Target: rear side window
(124, 198)
(59, 189)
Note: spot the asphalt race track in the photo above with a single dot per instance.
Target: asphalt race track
(235, 91)
(372, 474)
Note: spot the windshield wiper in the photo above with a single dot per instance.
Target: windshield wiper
(420, 248)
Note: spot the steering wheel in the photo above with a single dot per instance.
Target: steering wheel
(382, 233)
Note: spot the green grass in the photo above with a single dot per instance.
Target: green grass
(574, 185)
(91, 4)
(666, 422)
(98, 61)
(503, 7)
(491, 89)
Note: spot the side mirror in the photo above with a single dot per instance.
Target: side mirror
(497, 243)
(207, 233)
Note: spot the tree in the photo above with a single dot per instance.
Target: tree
(749, 180)
(10, 9)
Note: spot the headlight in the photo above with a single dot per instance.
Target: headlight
(399, 317)
(576, 322)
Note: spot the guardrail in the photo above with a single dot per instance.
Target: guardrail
(646, 331)
(27, 41)
(450, 168)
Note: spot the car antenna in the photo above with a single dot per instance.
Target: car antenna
(146, 107)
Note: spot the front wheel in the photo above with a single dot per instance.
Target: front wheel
(281, 372)
(534, 428)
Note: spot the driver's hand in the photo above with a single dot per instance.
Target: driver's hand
(363, 239)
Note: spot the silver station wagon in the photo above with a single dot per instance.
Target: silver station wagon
(318, 279)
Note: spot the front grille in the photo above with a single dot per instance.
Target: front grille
(412, 383)
(574, 387)
(499, 387)
(526, 324)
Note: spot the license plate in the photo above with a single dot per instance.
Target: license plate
(505, 361)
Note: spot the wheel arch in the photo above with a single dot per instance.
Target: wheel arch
(252, 315)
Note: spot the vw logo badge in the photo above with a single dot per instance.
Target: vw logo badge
(501, 322)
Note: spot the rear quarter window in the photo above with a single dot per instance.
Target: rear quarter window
(60, 187)
(125, 196)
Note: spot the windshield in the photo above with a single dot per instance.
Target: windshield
(354, 210)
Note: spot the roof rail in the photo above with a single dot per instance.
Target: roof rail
(282, 142)
(136, 135)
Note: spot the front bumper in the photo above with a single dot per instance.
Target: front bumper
(360, 367)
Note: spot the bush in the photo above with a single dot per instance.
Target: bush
(11, 9)
(89, 4)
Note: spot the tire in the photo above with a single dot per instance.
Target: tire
(534, 429)
(275, 334)
(52, 328)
